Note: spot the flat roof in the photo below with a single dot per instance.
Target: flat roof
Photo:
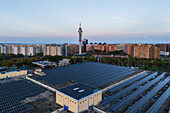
(2, 68)
(78, 90)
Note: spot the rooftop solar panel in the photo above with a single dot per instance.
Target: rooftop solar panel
(80, 72)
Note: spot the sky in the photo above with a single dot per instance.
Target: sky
(110, 21)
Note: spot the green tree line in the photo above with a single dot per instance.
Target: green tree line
(142, 63)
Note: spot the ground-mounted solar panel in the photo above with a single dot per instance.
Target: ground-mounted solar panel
(156, 106)
(130, 97)
(13, 93)
(128, 82)
(122, 92)
(143, 100)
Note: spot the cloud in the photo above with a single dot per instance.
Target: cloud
(133, 21)
(167, 20)
(120, 18)
(110, 16)
(123, 14)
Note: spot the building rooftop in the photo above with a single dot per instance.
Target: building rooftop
(78, 90)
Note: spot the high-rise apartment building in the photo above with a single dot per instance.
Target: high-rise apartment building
(90, 47)
(154, 52)
(73, 49)
(145, 51)
(112, 47)
(15, 49)
(164, 47)
(23, 50)
(1, 48)
(53, 50)
(101, 47)
(140, 50)
(127, 48)
(85, 42)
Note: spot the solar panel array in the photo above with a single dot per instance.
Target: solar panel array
(155, 107)
(12, 93)
(160, 80)
(127, 82)
(143, 100)
(126, 90)
(130, 97)
(94, 74)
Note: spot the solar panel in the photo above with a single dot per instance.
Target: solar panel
(143, 100)
(81, 72)
(114, 78)
(97, 79)
(13, 92)
(122, 92)
(127, 82)
(130, 97)
(156, 106)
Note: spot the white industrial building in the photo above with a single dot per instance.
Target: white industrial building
(12, 74)
(44, 64)
(78, 97)
(164, 53)
(63, 62)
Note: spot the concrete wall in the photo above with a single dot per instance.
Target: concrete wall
(83, 105)
(97, 98)
(78, 106)
(91, 100)
(13, 74)
(41, 84)
(63, 99)
(59, 98)
(73, 105)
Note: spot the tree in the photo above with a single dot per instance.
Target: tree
(150, 64)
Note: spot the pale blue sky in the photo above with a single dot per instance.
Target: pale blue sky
(111, 21)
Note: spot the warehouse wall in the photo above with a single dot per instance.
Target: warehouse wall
(97, 97)
(78, 106)
(83, 105)
(13, 74)
(73, 105)
(59, 98)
